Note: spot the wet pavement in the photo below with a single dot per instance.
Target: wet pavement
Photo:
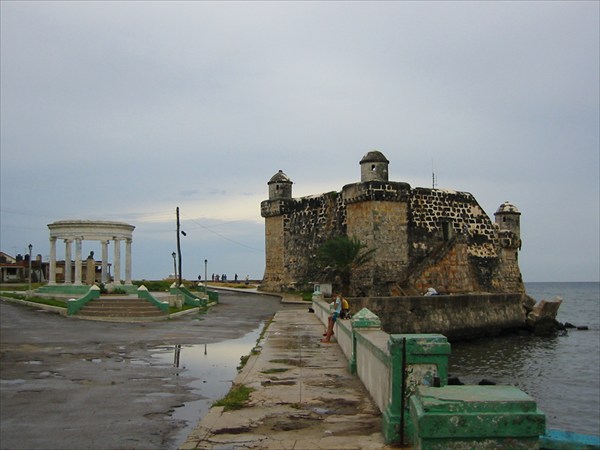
(304, 397)
(74, 384)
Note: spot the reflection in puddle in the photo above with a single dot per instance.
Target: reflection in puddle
(214, 367)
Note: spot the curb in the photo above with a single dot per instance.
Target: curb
(282, 296)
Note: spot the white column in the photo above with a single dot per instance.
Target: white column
(128, 261)
(52, 274)
(68, 261)
(117, 261)
(78, 261)
(104, 276)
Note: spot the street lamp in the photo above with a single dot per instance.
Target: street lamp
(205, 276)
(30, 248)
(174, 264)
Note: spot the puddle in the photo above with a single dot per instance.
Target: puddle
(214, 367)
(11, 382)
(138, 362)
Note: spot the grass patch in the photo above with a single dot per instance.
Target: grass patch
(244, 359)
(236, 398)
(256, 349)
(42, 300)
(274, 370)
(20, 286)
(306, 295)
(289, 362)
(173, 309)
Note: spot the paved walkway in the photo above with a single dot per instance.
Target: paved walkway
(303, 398)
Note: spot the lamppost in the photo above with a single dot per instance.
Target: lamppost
(179, 244)
(30, 248)
(205, 276)
(174, 255)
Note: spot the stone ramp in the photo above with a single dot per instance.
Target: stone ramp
(304, 397)
(129, 308)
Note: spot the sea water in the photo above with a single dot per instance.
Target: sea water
(562, 372)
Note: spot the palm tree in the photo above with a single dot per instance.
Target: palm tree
(342, 255)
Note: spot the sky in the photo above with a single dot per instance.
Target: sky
(124, 111)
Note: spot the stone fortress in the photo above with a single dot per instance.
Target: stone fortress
(423, 237)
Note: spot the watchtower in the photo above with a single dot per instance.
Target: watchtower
(280, 186)
(374, 167)
(508, 218)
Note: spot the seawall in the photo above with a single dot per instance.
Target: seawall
(455, 316)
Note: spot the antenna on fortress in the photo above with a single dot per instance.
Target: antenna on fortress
(433, 181)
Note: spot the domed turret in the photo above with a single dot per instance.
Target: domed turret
(508, 218)
(280, 186)
(374, 167)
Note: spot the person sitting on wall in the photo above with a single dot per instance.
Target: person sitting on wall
(336, 308)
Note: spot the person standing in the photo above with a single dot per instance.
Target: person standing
(336, 308)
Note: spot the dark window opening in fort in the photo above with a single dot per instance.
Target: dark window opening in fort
(446, 231)
(372, 167)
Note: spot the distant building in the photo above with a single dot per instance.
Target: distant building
(424, 238)
(16, 269)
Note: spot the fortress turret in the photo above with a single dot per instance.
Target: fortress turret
(280, 186)
(508, 220)
(374, 167)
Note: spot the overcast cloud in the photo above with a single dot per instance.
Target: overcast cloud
(126, 110)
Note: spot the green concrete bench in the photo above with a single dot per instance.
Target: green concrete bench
(475, 417)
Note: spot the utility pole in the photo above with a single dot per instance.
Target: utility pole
(29, 291)
(178, 247)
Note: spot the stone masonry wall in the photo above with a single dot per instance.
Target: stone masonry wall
(508, 277)
(383, 226)
(455, 316)
(431, 208)
(275, 251)
(302, 226)
(423, 238)
(451, 273)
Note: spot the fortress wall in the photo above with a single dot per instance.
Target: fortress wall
(508, 276)
(295, 232)
(430, 208)
(451, 274)
(312, 221)
(275, 251)
(377, 214)
(423, 238)
(454, 316)
(381, 225)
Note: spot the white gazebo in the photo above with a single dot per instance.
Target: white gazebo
(91, 230)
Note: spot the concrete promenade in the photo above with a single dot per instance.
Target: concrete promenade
(304, 396)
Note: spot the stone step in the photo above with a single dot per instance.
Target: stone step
(120, 307)
(123, 304)
(121, 313)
